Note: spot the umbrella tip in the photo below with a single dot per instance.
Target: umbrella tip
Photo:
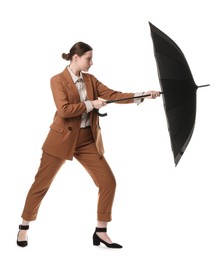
(203, 86)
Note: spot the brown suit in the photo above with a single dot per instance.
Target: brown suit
(66, 140)
(62, 138)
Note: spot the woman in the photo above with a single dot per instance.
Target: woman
(75, 132)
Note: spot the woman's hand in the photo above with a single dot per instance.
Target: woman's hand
(153, 94)
(97, 104)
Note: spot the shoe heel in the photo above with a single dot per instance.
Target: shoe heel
(96, 241)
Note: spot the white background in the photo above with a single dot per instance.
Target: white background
(160, 211)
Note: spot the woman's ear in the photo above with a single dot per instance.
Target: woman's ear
(75, 57)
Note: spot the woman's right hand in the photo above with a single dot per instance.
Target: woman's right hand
(97, 104)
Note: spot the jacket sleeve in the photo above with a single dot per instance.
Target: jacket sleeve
(64, 108)
(108, 94)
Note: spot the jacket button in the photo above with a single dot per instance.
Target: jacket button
(70, 128)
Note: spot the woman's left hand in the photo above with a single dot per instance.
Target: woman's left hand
(153, 94)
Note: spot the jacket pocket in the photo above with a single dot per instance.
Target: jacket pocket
(57, 128)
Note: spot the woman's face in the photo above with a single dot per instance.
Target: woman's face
(85, 61)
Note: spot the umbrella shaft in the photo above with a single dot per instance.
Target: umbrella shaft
(123, 99)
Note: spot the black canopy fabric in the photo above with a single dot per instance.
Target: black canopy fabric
(179, 90)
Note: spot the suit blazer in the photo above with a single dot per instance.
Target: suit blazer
(62, 137)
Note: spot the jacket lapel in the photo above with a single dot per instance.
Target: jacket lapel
(72, 91)
(71, 87)
(89, 87)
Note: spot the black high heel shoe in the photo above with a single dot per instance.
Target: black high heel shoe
(22, 243)
(97, 240)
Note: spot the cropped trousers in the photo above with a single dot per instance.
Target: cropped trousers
(86, 153)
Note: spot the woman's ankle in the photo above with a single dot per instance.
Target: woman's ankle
(25, 222)
(102, 224)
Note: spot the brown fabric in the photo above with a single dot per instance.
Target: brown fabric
(86, 153)
(48, 168)
(62, 137)
(66, 140)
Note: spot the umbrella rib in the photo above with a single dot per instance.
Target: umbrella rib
(179, 105)
(165, 37)
(175, 80)
(173, 58)
(181, 80)
(179, 61)
(182, 127)
(183, 148)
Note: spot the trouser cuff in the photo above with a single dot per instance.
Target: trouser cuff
(28, 217)
(106, 217)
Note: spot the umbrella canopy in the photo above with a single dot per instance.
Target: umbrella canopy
(179, 90)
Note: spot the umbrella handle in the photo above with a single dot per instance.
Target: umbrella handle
(99, 114)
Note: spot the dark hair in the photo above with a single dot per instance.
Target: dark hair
(78, 48)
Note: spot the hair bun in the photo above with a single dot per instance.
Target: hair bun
(66, 56)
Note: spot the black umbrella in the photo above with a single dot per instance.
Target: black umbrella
(179, 90)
